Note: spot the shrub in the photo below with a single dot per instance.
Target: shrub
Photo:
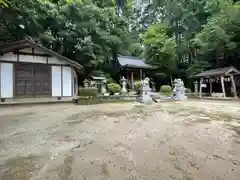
(110, 80)
(166, 89)
(188, 90)
(137, 85)
(91, 92)
(114, 88)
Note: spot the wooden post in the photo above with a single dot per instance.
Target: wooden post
(141, 77)
(223, 87)
(210, 82)
(200, 87)
(233, 86)
(132, 79)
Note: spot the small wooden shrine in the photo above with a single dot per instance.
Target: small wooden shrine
(133, 69)
(225, 78)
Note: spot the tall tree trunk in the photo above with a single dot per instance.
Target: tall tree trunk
(171, 79)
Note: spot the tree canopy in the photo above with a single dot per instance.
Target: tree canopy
(183, 36)
(89, 32)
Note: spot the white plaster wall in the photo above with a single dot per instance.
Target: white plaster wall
(28, 50)
(33, 59)
(54, 60)
(26, 58)
(39, 51)
(8, 57)
(39, 59)
(67, 81)
(56, 81)
(6, 74)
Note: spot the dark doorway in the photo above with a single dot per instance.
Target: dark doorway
(32, 80)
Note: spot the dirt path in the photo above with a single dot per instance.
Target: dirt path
(182, 140)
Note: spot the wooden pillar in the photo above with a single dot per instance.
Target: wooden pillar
(210, 83)
(223, 87)
(132, 79)
(233, 86)
(200, 87)
(141, 77)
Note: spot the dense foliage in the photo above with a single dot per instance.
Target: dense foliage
(89, 32)
(89, 92)
(206, 33)
(166, 90)
(137, 85)
(180, 37)
(160, 49)
(114, 88)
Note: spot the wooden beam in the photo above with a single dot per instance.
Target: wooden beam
(200, 87)
(210, 83)
(31, 54)
(223, 87)
(18, 58)
(233, 86)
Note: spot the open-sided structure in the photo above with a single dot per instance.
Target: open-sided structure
(133, 69)
(216, 76)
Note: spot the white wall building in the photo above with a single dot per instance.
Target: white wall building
(29, 70)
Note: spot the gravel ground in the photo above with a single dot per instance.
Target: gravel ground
(185, 140)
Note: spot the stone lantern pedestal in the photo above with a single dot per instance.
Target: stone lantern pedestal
(124, 84)
(145, 92)
(179, 90)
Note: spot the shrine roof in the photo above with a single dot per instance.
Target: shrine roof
(218, 72)
(133, 62)
(22, 44)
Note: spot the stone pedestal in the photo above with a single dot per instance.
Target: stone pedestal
(145, 92)
(86, 83)
(124, 84)
(179, 90)
(103, 86)
(195, 87)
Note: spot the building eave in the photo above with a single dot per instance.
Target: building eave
(17, 45)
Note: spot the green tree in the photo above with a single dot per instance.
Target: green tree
(197, 33)
(89, 32)
(219, 38)
(3, 3)
(160, 49)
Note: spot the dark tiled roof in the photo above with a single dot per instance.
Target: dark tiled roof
(129, 61)
(218, 72)
(27, 43)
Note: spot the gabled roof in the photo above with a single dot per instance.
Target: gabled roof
(218, 72)
(130, 61)
(27, 43)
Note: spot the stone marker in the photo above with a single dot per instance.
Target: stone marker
(179, 90)
(86, 83)
(196, 87)
(103, 86)
(145, 92)
(124, 84)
